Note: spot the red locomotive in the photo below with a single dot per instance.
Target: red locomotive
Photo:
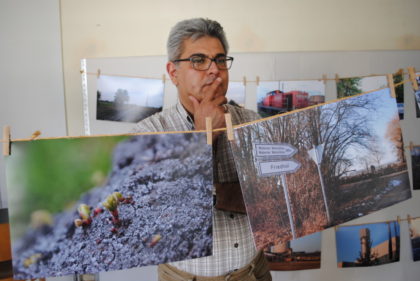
(278, 102)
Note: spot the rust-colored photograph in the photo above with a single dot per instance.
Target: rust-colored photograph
(308, 170)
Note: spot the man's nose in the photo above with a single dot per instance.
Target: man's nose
(213, 68)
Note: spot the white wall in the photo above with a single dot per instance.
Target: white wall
(111, 28)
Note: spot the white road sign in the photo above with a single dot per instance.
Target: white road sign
(277, 167)
(274, 150)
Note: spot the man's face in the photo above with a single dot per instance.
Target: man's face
(191, 82)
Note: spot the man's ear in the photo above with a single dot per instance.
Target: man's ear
(172, 71)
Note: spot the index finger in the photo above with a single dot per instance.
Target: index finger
(211, 92)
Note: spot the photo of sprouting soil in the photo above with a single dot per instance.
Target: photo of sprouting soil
(128, 99)
(304, 171)
(368, 244)
(86, 205)
(415, 166)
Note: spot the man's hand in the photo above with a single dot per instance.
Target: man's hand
(210, 106)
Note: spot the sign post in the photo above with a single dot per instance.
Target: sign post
(271, 160)
(316, 155)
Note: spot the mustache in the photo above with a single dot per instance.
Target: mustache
(210, 80)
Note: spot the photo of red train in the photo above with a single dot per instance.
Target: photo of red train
(276, 102)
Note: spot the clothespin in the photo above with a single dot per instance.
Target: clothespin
(163, 78)
(409, 219)
(412, 75)
(229, 127)
(324, 78)
(391, 85)
(35, 135)
(98, 73)
(209, 130)
(398, 220)
(6, 141)
(257, 80)
(337, 78)
(244, 81)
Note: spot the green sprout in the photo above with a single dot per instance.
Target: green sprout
(84, 213)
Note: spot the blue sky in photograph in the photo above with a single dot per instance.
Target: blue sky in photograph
(309, 244)
(348, 239)
(142, 92)
(386, 110)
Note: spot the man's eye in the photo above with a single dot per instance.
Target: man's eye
(197, 60)
(221, 60)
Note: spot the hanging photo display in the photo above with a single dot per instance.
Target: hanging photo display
(347, 87)
(6, 270)
(127, 99)
(414, 229)
(87, 205)
(415, 164)
(236, 94)
(368, 244)
(417, 96)
(299, 254)
(277, 97)
(308, 170)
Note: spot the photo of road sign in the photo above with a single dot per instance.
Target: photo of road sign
(274, 150)
(271, 168)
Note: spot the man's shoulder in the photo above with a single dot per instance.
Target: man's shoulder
(242, 115)
(155, 122)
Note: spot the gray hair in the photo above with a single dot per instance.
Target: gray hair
(194, 29)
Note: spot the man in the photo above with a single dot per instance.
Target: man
(198, 66)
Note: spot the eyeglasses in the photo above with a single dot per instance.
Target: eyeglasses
(202, 62)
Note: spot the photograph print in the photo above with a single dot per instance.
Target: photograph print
(236, 94)
(305, 171)
(415, 164)
(302, 253)
(276, 97)
(368, 244)
(87, 205)
(414, 229)
(6, 270)
(417, 95)
(127, 99)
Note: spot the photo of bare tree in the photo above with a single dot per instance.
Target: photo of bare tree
(127, 99)
(305, 171)
(368, 244)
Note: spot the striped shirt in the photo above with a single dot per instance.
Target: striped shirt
(233, 244)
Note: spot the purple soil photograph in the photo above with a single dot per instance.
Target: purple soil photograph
(368, 244)
(92, 204)
(127, 99)
(304, 171)
(415, 165)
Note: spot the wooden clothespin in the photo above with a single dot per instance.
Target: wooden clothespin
(229, 127)
(244, 81)
(391, 85)
(6, 141)
(409, 219)
(209, 130)
(98, 73)
(412, 75)
(324, 78)
(337, 78)
(163, 78)
(257, 80)
(398, 219)
(35, 135)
